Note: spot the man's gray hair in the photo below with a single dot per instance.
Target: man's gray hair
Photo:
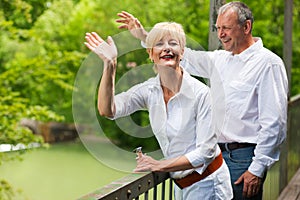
(243, 11)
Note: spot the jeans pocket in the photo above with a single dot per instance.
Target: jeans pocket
(242, 155)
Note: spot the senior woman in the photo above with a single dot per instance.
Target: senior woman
(179, 111)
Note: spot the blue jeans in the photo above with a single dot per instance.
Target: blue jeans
(238, 161)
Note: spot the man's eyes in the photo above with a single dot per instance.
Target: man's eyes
(226, 28)
(223, 27)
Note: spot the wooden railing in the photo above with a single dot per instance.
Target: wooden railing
(290, 156)
(292, 190)
(160, 186)
(150, 185)
(282, 172)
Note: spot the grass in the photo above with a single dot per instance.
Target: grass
(64, 171)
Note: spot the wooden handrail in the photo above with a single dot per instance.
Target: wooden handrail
(129, 187)
(292, 190)
(294, 100)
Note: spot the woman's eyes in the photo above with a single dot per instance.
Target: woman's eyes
(171, 43)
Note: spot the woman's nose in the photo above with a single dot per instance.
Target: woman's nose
(166, 50)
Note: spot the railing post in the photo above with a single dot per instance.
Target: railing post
(171, 189)
(287, 58)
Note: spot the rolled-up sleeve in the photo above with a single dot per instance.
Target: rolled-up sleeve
(206, 139)
(130, 101)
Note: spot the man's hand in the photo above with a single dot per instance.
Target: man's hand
(252, 184)
(133, 25)
(106, 51)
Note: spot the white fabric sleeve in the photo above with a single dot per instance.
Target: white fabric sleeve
(198, 63)
(206, 141)
(272, 104)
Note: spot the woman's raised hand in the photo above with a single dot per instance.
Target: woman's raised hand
(133, 25)
(107, 51)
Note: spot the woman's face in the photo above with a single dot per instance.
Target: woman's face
(167, 52)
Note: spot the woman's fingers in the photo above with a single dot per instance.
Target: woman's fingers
(93, 39)
(89, 46)
(110, 41)
(105, 50)
(97, 37)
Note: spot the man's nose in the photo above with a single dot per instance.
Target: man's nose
(221, 32)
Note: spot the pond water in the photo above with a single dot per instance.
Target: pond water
(63, 171)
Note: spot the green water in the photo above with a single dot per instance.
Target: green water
(62, 172)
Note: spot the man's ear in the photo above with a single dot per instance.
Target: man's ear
(247, 26)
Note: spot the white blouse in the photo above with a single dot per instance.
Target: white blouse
(183, 126)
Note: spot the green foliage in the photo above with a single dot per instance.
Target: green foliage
(39, 62)
(6, 191)
(295, 89)
(269, 24)
(21, 13)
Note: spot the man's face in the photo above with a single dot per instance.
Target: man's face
(230, 32)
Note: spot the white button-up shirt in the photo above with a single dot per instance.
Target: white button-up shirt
(249, 91)
(183, 126)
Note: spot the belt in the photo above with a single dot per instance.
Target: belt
(234, 145)
(195, 176)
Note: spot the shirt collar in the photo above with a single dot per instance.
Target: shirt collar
(185, 88)
(249, 52)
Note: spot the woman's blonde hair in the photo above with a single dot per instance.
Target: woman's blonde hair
(162, 29)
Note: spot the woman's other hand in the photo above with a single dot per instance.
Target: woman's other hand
(107, 51)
